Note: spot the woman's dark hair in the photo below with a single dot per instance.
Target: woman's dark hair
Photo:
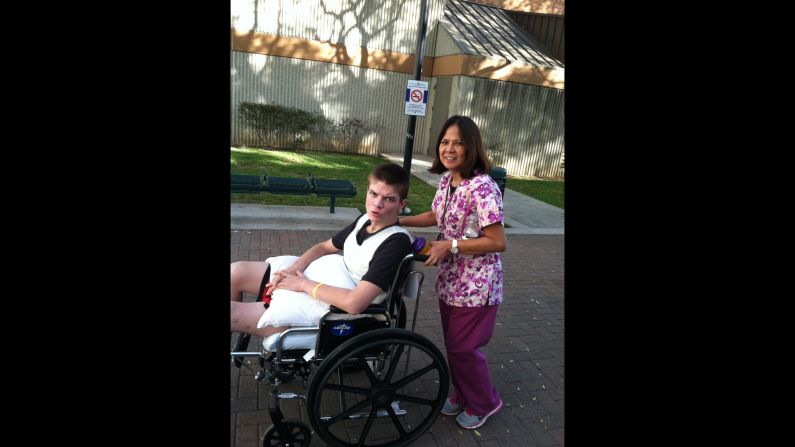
(392, 175)
(475, 157)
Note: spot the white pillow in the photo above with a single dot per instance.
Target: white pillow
(289, 308)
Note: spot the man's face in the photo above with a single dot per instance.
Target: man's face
(383, 203)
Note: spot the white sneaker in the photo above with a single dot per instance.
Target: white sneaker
(451, 409)
(470, 421)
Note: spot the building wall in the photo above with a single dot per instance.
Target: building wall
(555, 7)
(383, 25)
(337, 91)
(527, 140)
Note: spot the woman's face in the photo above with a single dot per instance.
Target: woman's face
(452, 150)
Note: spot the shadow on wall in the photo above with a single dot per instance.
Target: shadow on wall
(345, 95)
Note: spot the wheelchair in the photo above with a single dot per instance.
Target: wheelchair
(359, 395)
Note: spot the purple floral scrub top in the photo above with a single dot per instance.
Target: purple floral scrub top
(468, 280)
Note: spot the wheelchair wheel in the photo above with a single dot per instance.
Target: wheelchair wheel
(298, 435)
(399, 322)
(387, 402)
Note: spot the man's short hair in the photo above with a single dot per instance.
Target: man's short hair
(393, 175)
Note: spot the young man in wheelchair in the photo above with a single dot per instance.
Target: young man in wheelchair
(297, 291)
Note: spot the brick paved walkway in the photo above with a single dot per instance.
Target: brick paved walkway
(525, 354)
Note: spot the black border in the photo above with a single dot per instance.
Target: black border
(131, 118)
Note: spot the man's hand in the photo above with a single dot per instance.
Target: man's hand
(289, 281)
(277, 278)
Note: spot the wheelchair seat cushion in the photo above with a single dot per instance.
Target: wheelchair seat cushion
(289, 308)
(306, 340)
(300, 340)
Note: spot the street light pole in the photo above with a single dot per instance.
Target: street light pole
(412, 125)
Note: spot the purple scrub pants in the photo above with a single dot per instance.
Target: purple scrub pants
(466, 329)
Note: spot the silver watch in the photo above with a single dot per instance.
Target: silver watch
(454, 248)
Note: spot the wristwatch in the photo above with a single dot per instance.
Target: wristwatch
(454, 248)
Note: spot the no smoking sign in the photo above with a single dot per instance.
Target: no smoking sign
(416, 98)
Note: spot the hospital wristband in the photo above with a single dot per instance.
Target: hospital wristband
(314, 291)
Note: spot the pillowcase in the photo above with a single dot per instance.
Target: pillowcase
(289, 308)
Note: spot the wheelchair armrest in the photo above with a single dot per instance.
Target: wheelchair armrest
(372, 309)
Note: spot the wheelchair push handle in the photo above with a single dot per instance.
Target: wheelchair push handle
(420, 257)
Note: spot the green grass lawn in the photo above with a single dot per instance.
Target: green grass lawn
(548, 191)
(355, 168)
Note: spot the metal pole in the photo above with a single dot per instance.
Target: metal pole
(407, 151)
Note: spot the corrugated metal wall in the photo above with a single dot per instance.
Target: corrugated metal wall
(547, 29)
(524, 122)
(522, 125)
(337, 91)
(375, 24)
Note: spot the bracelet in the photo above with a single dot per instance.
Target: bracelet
(314, 291)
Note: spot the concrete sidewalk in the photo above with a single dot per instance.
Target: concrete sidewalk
(523, 214)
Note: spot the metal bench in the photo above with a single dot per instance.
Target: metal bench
(288, 185)
(298, 186)
(332, 189)
(247, 183)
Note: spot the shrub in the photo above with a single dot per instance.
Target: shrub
(351, 131)
(273, 121)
